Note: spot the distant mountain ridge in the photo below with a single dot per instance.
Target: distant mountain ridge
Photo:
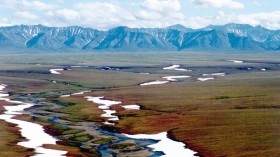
(172, 38)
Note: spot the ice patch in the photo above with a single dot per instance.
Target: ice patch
(2, 87)
(169, 147)
(174, 78)
(168, 79)
(175, 67)
(154, 83)
(76, 66)
(43, 152)
(164, 144)
(108, 114)
(103, 102)
(206, 79)
(131, 107)
(235, 61)
(144, 73)
(34, 133)
(63, 96)
(108, 123)
(215, 74)
(16, 110)
(80, 93)
(56, 71)
(171, 67)
(105, 106)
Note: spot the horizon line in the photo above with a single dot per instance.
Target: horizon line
(139, 27)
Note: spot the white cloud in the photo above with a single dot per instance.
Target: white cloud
(221, 13)
(5, 22)
(162, 5)
(218, 3)
(25, 15)
(159, 13)
(101, 15)
(26, 5)
(62, 17)
(67, 14)
(61, 1)
(149, 13)
(257, 3)
(104, 15)
(37, 5)
(8, 3)
(269, 20)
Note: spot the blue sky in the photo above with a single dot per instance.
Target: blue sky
(105, 14)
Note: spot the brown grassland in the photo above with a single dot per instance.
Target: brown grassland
(9, 137)
(237, 115)
(218, 118)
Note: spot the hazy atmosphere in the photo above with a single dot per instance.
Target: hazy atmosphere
(105, 14)
(139, 78)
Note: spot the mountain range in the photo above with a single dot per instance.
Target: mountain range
(172, 38)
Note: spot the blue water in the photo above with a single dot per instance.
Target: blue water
(103, 149)
(143, 143)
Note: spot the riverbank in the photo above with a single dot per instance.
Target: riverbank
(226, 116)
(9, 136)
(207, 116)
(200, 114)
(30, 131)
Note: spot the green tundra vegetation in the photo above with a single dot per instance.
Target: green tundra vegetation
(235, 115)
(9, 137)
(245, 122)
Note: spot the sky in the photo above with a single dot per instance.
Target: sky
(106, 14)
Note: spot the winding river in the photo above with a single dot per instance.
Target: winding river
(34, 133)
(156, 144)
(161, 143)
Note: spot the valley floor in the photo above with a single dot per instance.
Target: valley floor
(216, 104)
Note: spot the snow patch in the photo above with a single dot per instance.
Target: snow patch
(108, 114)
(105, 106)
(80, 93)
(34, 133)
(215, 74)
(154, 83)
(56, 71)
(235, 61)
(206, 79)
(131, 107)
(168, 79)
(175, 67)
(169, 147)
(164, 144)
(144, 73)
(63, 96)
(174, 78)
(2, 87)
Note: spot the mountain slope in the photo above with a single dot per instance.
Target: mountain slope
(173, 38)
